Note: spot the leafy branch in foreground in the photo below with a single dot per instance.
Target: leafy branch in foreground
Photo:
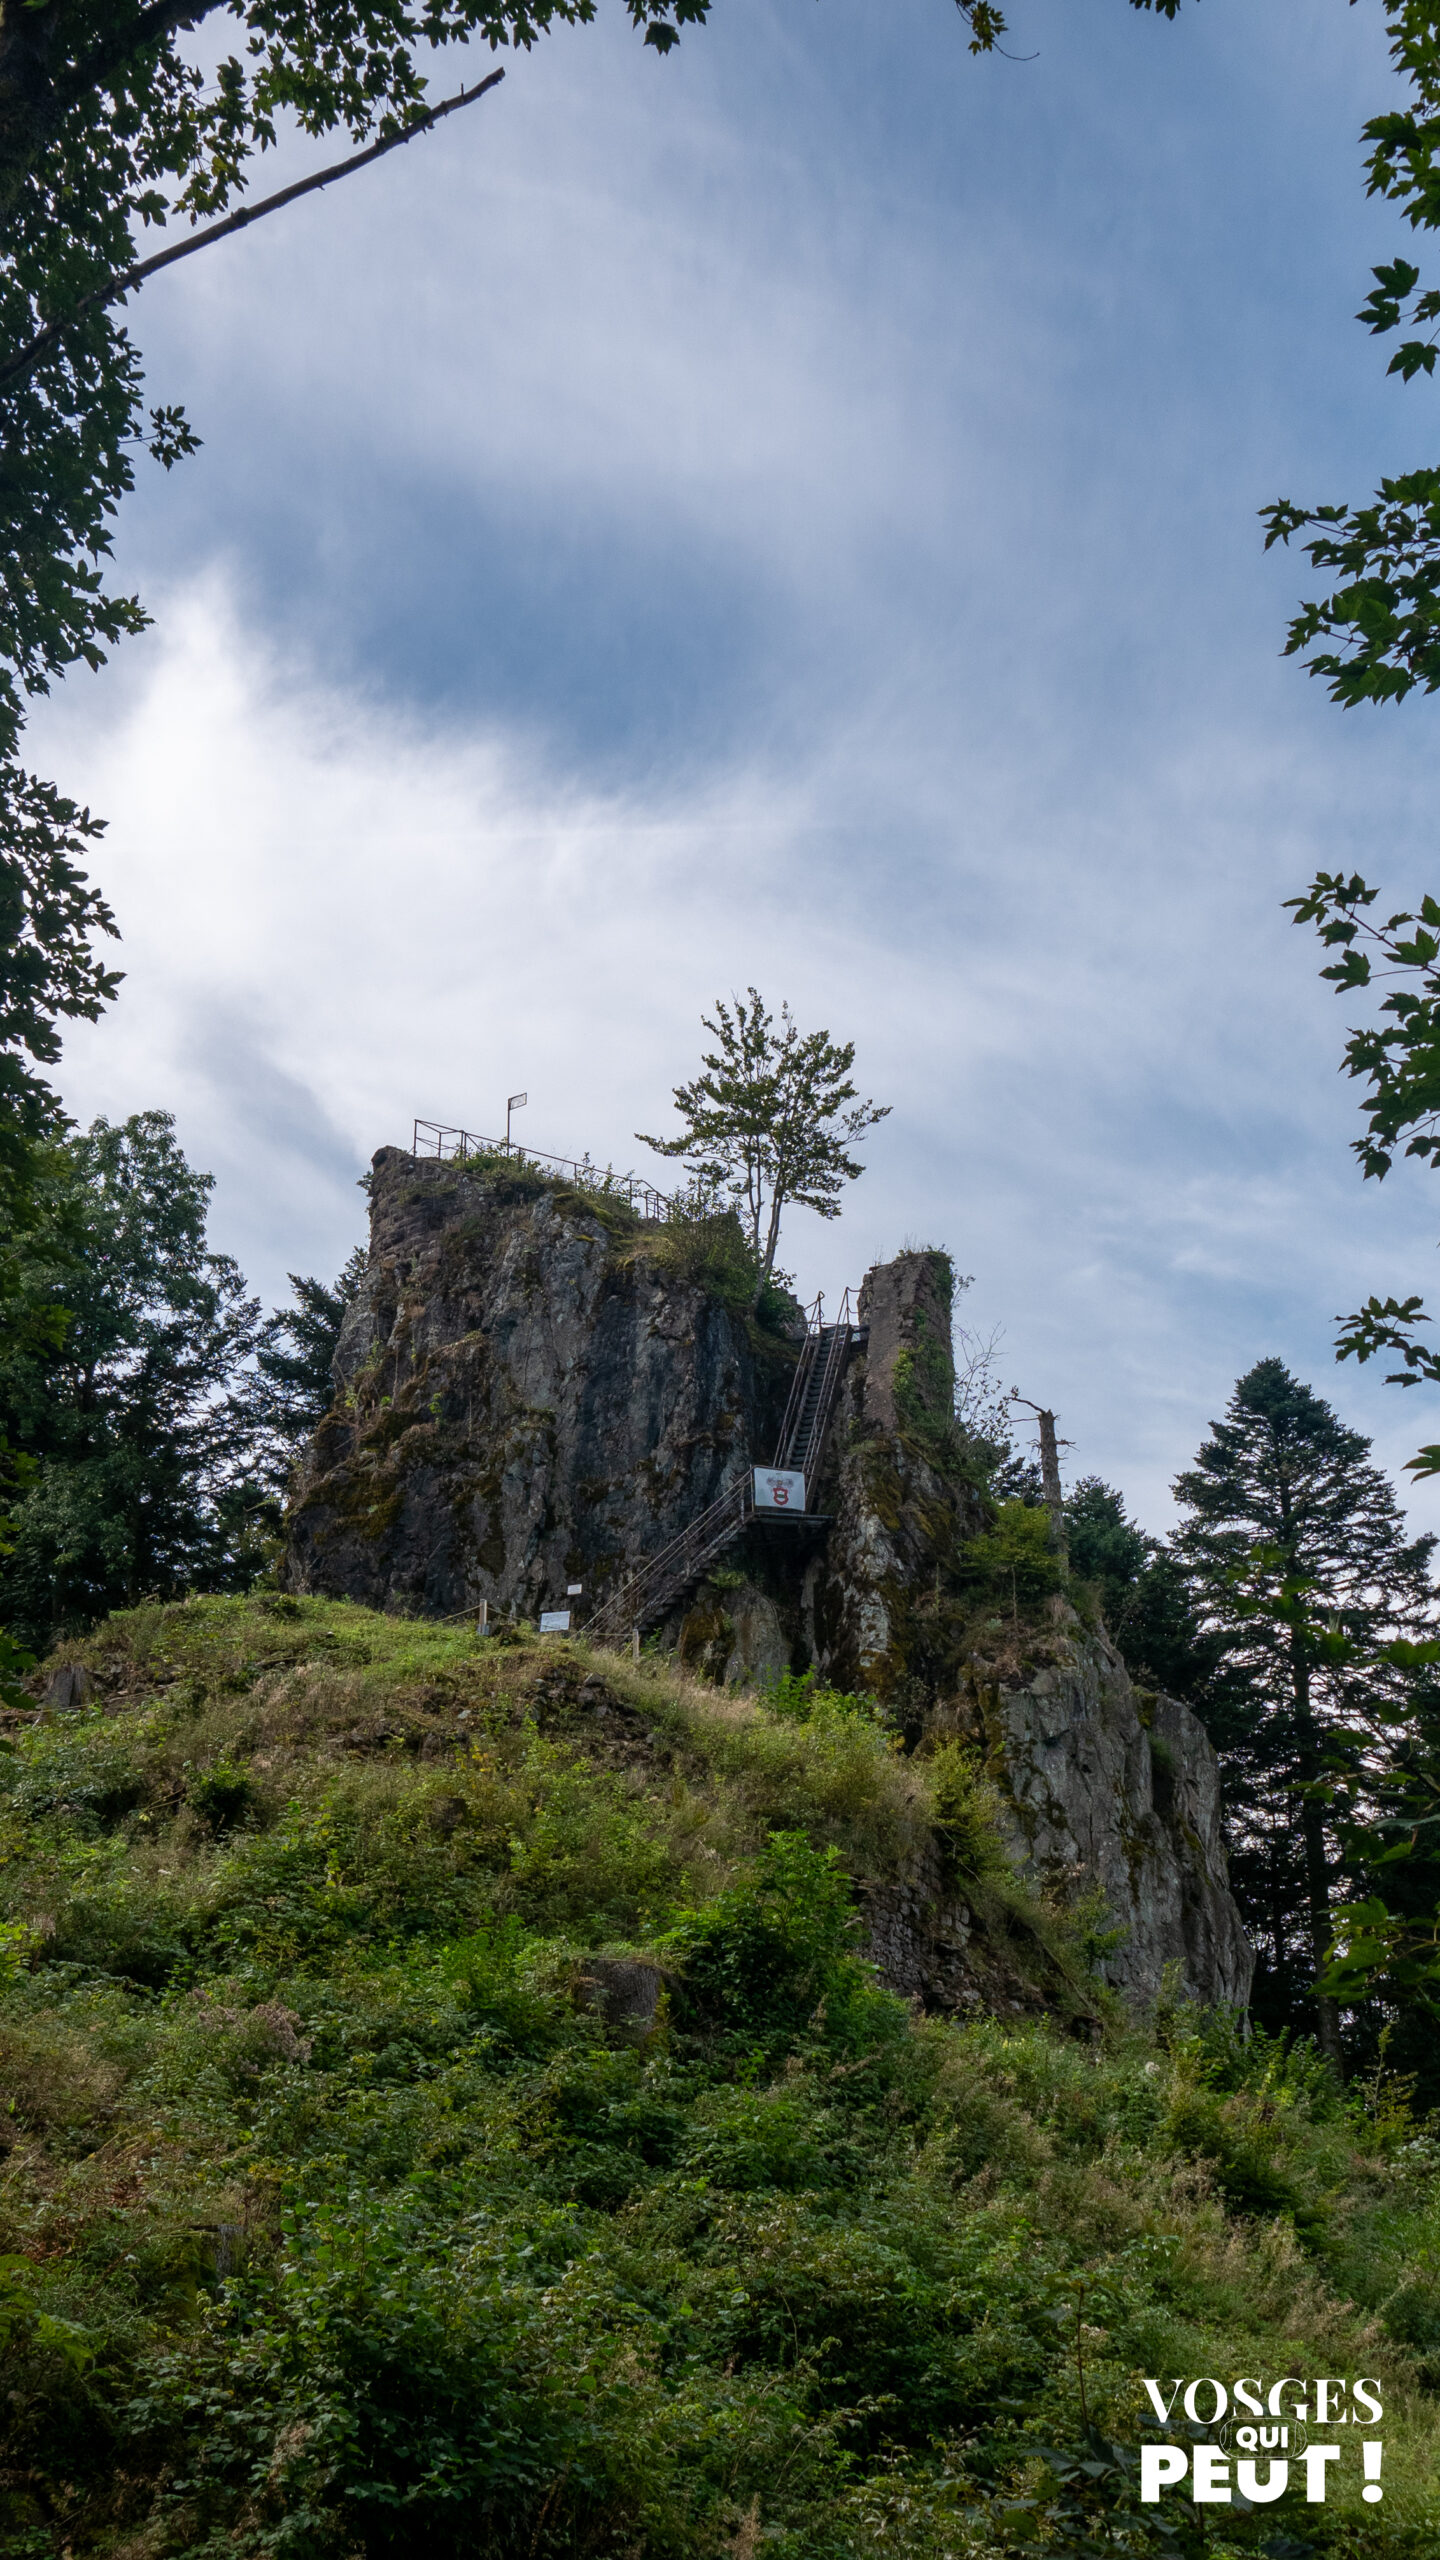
(49, 970)
(173, 438)
(1381, 625)
(1398, 1058)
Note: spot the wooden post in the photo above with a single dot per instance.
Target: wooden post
(634, 1644)
(482, 1623)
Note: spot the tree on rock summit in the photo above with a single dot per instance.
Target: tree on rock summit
(769, 1122)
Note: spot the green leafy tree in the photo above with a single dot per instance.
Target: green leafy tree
(1375, 638)
(1397, 1058)
(1379, 630)
(129, 1413)
(49, 970)
(1297, 1552)
(769, 1122)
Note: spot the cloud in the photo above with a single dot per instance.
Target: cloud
(338, 918)
(788, 515)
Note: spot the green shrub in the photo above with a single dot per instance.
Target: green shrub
(710, 1252)
(1013, 1560)
(86, 1770)
(776, 1952)
(223, 1796)
(491, 1971)
(803, 1698)
(965, 1810)
(402, 2383)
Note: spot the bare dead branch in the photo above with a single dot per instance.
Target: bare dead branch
(16, 367)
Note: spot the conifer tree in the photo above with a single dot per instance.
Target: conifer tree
(1292, 1536)
(1144, 1593)
(292, 1389)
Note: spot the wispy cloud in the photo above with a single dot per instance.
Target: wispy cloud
(790, 516)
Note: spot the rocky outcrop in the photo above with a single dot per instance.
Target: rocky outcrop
(531, 1393)
(905, 1310)
(1109, 1799)
(534, 1390)
(1114, 1792)
(929, 1943)
(886, 1611)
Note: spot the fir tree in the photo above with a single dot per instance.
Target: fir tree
(1144, 1593)
(293, 1386)
(1291, 1534)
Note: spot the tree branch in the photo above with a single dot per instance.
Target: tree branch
(16, 367)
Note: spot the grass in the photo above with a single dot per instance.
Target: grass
(335, 2220)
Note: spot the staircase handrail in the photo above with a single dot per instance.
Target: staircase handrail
(646, 1592)
(798, 1384)
(632, 1600)
(843, 1334)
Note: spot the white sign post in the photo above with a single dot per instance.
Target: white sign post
(554, 1622)
(779, 1489)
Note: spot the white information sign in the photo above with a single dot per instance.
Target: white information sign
(779, 1489)
(554, 1622)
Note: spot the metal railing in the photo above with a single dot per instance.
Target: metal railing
(646, 1594)
(815, 1386)
(457, 1146)
(799, 1384)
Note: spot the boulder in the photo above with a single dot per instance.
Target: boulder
(69, 1685)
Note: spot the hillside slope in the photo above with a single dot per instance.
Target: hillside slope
(446, 2113)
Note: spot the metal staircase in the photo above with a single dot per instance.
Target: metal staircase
(813, 1391)
(645, 1595)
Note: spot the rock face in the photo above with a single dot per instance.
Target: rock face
(884, 1602)
(532, 1391)
(1108, 1795)
(1115, 1792)
(905, 1308)
(527, 1397)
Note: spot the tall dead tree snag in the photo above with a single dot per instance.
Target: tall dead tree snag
(1049, 1471)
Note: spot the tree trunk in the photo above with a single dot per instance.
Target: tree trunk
(766, 1265)
(1312, 1832)
(1050, 1479)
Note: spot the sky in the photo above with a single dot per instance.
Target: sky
(785, 513)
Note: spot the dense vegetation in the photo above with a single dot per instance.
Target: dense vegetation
(354, 2204)
(148, 1414)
